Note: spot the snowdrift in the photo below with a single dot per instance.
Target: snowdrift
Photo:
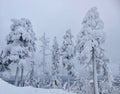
(6, 88)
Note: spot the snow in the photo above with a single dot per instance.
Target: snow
(6, 88)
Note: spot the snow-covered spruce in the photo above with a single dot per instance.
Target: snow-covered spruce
(67, 54)
(55, 65)
(20, 46)
(90, 53)
(44, 47)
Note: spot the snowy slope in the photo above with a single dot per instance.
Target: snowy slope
(6, 88)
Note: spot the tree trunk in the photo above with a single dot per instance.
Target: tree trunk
(95, 80)
(44, 63)
(68, 83)
(22, 82)
(16, 76)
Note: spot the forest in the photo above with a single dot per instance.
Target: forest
(79, 65)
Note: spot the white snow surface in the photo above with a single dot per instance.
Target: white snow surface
(6, 88)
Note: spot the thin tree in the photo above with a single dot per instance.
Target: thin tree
(44, 47)
(67, 54)
(55, 64)
(30, 77)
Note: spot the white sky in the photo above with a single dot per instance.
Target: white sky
(56, 16)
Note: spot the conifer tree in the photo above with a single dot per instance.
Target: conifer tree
(55, 64)
(20, 44)
(89, 48)
(67, 54)
(44, 48)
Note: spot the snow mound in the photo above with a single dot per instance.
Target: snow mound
(6, 88)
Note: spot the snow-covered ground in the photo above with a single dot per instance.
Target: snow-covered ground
(6, 88)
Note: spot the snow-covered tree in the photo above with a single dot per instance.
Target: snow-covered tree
(89, 49)
(103, 73)
(20, 43)
(67, 54)
(3, 65)
(30, 77)
(55, 64)
(116, 81)
(44, 48)
(78, 86)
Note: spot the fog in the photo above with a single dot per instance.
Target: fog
(56, 16)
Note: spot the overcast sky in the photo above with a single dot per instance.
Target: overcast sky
(56, 16)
